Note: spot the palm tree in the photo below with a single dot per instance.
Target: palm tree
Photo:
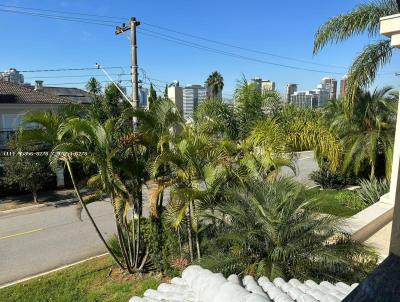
(99, 143)
(215, 82)
(365, 18)
(367, 136)
(285, 237)
(49, 125)
(217, 118)
(93, 86)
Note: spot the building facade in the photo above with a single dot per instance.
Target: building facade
(311, 98)
(175, 94)
(143, 97)
(343, 86)
(290, 90)
(330, 84)
(263, 85)
(12, 75)
(193, 95)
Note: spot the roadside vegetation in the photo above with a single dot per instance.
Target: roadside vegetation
(228, 207)
(218, 170)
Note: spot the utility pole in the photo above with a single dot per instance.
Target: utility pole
(133, 23)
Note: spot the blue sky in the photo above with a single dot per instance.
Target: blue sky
(284, 28)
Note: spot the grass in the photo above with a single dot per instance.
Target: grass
(95, 280)
(329, 202)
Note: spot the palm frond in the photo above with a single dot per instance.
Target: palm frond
(363, 18)
(364, 69)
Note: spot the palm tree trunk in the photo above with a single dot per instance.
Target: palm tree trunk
(197, 245)
(192, 209)
(190, 240)
(78, 194)
(139, 213)
(180, 243)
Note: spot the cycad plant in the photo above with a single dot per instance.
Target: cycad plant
(270, 229)
(363, 19)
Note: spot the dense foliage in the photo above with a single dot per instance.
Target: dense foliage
(205, 179)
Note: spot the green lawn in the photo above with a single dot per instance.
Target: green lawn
(94, 280)
(329, 202)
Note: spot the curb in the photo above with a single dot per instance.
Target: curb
(38, 206)
(51, 271)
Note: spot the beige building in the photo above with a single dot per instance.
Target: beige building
(175, 94)
(264, 85)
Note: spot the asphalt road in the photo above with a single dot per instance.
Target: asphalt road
(304, 166)
(38, 240)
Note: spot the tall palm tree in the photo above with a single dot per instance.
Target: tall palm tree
(93, 86)
(285, 237)
(367, 136)
(215, 81)
(364, 18)
(99, 143)
(49, 124)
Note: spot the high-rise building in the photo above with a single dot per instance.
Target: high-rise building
(143, 97)
(290, 90)
(343, 85)
(263, 85)
(12, 75)
(175, 94)
(267, 85)
(330, 84)
(193, 95)
(311, 98)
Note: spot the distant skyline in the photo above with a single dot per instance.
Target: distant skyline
(284, 29)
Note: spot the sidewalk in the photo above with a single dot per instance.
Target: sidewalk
(47, 198)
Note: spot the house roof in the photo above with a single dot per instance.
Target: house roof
(11, 93)
(74, 94)
(198, 284)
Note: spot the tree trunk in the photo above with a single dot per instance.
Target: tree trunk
(34, 193)
(190, 240)
(78, 194)
(198, 245)
(180, 243)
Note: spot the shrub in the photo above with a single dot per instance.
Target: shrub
(371, 190)
(331, 180)
(163, 244)
(351, 200)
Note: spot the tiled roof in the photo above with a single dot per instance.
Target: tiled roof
(11, 93)
(201, 285)
(74, 94)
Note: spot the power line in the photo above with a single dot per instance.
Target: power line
(105, 23)
(168, 38)
(63, 12)
(69, 69)
(83, 83)
(76, 76)
(57, 17)
(234, 55)
(239, 47)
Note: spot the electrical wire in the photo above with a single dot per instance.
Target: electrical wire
(105, 23)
